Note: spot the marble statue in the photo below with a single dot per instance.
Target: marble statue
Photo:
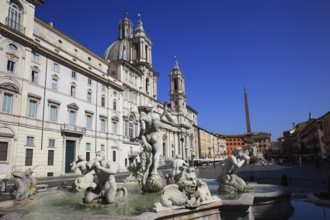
(25, 185)
(105, 190)
(131, 168)
(150, 139)
(79, 165)
(189, 192)
(87, 178)
(252, 151)
(178, 163)
(229, 181)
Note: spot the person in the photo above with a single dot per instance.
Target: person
(106, 190)
(150, 135)
(178, 164)
(228, 178)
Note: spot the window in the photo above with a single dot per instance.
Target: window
(102, 147)
(114, 127)
(164, 149)
(103, 101)
(53, 113)
(10, 66)
(35, 57)
(56, 67)
(7, 102)
(114, 104)
(12, 47)
(51, 142)
(73, 91)
(88, 146)
(131, 127)
(103, 88)
(28, 157)
(89, 81)
(147, 85)
(72, 119)
(88, 121)
(50, 157)
(32, 111)
(73, 74)
(54, 83)
(114, 158)
(34, 76)
(102, 124)
(89, 97)
(175, 84)
(88, 156)
(29, 141)
(14, 17)
(3, 151)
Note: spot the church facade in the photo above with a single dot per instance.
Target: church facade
(59, 100)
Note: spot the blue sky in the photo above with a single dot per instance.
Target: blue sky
(279, 50)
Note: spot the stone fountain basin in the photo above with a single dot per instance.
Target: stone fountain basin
(6, 200)
(271, 201)
(263, 201)
(267, 202)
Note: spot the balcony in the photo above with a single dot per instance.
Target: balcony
(133, 154)
(72, 130)
(15, 25)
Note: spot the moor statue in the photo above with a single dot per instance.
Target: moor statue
(151, 141)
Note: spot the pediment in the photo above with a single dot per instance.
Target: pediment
(9, 87)
(73, 106)
(166, 117)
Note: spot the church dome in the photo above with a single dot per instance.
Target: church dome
(117, 51)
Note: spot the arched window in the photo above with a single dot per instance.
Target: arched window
(8, 94)
(15, 17)
(114, 105)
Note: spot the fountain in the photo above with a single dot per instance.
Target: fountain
(251, 200)
(146, 171)
(96, 193)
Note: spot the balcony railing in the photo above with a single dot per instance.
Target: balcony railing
(66, 128)
(133, 154)
(15, 25)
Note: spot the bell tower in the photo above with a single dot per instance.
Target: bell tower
(177, 89)
(125, 28)
(141, 45)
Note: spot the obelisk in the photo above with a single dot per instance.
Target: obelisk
(247, 114)
(248, 138)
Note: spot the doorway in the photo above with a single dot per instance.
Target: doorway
(69, 155)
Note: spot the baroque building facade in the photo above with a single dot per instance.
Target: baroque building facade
(59, 100)
(310, 138)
